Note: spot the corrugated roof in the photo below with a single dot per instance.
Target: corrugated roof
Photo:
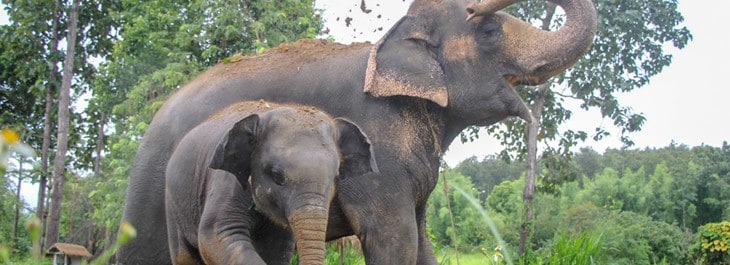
(69, 249)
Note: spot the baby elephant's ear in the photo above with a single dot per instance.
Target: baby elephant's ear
(233, 153)
(357, 153)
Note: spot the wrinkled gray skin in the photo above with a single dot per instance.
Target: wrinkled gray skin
(241, 186)
(412, 93)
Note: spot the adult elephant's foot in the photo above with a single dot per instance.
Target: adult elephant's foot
(425, 251)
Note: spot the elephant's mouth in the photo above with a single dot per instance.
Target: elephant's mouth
(513, 81)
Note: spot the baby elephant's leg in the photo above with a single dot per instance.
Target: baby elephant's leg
(224, 232)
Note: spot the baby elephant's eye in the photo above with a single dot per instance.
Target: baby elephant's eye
(278, 177)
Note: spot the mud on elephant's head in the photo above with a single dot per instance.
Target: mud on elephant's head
(469, 57)
(291, 158)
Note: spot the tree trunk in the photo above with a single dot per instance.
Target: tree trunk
(52, 79)
(18, 203)
(99, 146)
(528, 195)
(41, 210)
(451, 218)
(93, 234)
(70, 216)
(63, 123)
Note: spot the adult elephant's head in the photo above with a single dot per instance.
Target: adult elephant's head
(472, 65)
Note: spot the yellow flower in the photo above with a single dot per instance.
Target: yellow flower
(127, 233)
(9, 136)
(497, 253)
(10, 143)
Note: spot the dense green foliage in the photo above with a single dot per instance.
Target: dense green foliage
(471, 229)
(643, 205)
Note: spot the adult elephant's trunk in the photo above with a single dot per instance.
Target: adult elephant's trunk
(541, 54)
(309, 224)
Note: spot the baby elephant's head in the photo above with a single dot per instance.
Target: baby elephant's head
(291, 158)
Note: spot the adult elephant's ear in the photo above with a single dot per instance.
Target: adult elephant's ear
(403, 63)
(233, 153)
(355, 148)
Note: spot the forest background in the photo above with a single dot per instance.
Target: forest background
(641, 206)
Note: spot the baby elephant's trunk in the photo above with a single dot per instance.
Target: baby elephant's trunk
(309, 224)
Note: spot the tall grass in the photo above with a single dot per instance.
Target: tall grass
(348, 256)
(586, 248)
(446, 257)
(333, 256)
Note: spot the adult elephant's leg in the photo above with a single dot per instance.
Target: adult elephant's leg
(144, 204)
(391, 240)
(425, 252)
(385, 222)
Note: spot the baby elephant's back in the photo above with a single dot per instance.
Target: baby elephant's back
(196, 150)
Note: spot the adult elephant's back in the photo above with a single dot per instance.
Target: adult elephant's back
(297, 74)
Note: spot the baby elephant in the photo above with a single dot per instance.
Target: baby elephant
(247, 183)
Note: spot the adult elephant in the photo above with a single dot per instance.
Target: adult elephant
(432, 75)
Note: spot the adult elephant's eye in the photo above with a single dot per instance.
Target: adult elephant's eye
(488, 35)
(278, 176)
(491, 30)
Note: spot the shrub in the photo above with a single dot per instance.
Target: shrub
(713, 242)
(585, 248)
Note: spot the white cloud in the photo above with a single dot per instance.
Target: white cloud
(3, 16)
